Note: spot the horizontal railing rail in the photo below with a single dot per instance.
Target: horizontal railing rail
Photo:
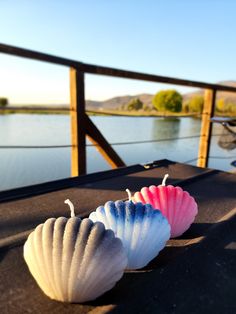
(82, 125)
(107, 71)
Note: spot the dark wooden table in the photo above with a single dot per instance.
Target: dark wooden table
(195, 273)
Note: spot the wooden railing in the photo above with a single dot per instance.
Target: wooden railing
(82, 125)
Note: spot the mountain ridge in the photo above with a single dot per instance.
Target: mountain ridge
(117, 102)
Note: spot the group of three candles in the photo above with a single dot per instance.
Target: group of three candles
(75, 260)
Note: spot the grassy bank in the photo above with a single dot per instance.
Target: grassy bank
(32, 110)
(132, 113)
(141, 113)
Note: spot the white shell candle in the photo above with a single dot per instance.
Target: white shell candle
(143, 230)
(74, 260)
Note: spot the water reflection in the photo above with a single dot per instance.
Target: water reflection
(19, 167)
(164, 129)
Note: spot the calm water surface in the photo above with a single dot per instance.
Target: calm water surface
(26, 166)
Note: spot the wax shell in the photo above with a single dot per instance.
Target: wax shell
(178, 206)
(143, 230)
(74, 260)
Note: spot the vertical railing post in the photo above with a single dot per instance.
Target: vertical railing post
(77, 113)
(206, 127)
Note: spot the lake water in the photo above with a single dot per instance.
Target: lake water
(26, 166)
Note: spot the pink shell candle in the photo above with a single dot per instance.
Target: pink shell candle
(178, 206)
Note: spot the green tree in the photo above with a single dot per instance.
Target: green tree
(220, 105)
(196, 104)
(168, 100)
(135, 104)
(231, 108)
(185, 106)
(147, 108)
(122, 107)
(226, 107)
(3, 101)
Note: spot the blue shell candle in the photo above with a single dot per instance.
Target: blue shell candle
(143, 230)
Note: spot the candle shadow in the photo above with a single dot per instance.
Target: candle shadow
(180, 275)
(119, 293)
(169, 254)
(196, 230)
(3, 253)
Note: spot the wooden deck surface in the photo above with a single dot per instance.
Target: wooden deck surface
(195, 273)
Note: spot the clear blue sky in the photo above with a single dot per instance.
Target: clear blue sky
(179, 38)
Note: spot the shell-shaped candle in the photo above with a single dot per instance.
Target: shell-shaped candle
(74, 260)
(143, 230)
(178, 206)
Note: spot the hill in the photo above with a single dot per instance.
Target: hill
(116, 102)
(227, 96)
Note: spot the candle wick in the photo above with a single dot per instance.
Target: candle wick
(164, 179)
(72, 208)
(129, 195)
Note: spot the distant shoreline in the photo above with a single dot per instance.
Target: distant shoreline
(122, 113)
